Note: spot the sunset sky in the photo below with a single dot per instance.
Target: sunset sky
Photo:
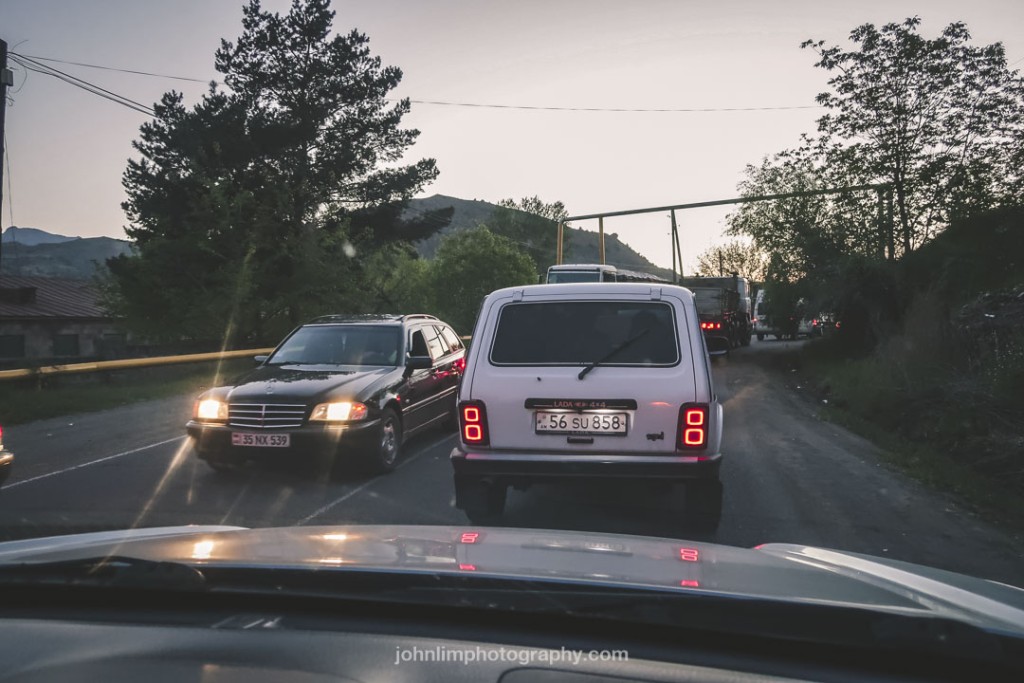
(67, 148)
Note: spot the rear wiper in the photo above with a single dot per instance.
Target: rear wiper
(108, 571)
(608, 356)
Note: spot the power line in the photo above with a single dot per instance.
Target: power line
(608, 109)
(38, 67)
(473, 105)
(111, 68)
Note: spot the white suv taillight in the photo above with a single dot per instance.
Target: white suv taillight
(693, 426)
(473, 423)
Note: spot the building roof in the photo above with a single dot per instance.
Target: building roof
(48, 297)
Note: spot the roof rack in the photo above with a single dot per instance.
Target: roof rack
(355, 317)
(413, 316)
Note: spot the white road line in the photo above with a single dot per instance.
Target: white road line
(334, 503)
(93, 462)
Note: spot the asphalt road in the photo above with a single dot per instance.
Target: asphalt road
(788, 476)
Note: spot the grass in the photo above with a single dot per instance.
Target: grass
(27, 401)
(912, 406)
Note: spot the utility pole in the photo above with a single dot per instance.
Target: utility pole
(721, 267)
(6, 79)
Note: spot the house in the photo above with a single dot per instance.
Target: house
(47, 320)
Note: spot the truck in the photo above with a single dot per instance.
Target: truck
(736, 312)
(717, 310)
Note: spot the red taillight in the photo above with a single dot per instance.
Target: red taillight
(693, 426)
(459, 365)
(473, 419)
(689, 583)
(689, 554)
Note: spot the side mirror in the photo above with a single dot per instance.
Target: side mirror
(419, 362)
(260, 360)
(717, 346)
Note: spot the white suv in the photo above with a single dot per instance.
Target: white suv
(594, 380)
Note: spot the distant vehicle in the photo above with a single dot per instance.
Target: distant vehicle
(796, 323)
(588, 381)
(6, 459)
(597, 272)
(738, 312)
(340, 393)
(717, 309)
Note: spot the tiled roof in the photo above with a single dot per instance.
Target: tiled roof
(53, 298)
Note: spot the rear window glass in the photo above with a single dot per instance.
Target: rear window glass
(580, 332)
(564, 276)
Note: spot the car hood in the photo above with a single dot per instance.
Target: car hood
(273, 383)
(788, 572)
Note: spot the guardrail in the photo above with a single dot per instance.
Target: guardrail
(99, 366)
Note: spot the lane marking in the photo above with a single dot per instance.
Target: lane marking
(330, 506)
(93, 462)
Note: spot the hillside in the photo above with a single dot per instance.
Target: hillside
(74, 258)
(28, 251)
(582, 247)
(30, 237)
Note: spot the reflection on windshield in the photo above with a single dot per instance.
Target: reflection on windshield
(340, 345)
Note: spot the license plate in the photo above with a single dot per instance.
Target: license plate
(552, 422)
(261, 440)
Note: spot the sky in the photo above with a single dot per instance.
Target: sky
(67, 149)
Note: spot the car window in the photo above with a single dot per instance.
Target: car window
(452, 339)
(578, 332)
(434, 343)
(418, 347)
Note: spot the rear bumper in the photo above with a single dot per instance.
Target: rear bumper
(532, 467)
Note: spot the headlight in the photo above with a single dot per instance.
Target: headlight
(210, 409)
(339, 412)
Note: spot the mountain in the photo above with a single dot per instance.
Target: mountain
(28, 251)
(30, 237)
(582, 244)
(70, 257)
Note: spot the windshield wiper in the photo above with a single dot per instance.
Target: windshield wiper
(621, 347)
(108, 571)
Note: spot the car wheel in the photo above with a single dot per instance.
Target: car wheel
(385, 456)
(702, 506)
(760, 337)
(482, 502)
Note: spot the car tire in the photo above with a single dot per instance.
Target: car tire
(760, 337)
(483, 502)
(702, 506)
(384, 456)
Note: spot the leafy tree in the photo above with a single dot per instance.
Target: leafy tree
(469, 266)
(932, 117)
(533, 224)
(736, 256)
(261, 205)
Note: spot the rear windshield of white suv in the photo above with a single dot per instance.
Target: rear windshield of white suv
(578, 332)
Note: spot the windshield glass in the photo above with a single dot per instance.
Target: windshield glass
(340, 345)
(307, 267)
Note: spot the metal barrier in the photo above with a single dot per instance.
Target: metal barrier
(76, 368)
